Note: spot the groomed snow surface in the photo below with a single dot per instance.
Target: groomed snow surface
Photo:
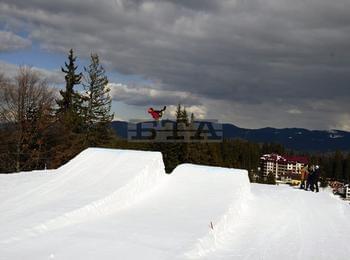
(120, 204)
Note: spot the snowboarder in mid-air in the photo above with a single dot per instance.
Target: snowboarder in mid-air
(156, 114)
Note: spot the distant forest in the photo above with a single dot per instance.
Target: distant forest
(43, 128)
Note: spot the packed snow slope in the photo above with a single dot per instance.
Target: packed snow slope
(115, 204)
(281, 222)
(97, 182)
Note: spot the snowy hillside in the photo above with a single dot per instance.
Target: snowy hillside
(120, 204)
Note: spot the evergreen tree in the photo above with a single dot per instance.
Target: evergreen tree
(69, 106)
(98, 114)
(178, 113)
(181, 115)
(184, 116)
(347, 169)
(192, 118)
(338, 166)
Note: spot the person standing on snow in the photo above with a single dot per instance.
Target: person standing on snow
(310, 179)
(316, 177)
(304, 176)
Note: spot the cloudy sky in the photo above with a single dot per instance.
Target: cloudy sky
(254, 63)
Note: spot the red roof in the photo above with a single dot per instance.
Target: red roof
(285, 159)
(299, 159)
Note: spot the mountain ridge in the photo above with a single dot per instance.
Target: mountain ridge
(299, 139)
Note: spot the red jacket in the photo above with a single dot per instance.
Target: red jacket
(156, 114)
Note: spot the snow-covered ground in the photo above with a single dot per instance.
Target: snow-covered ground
(115, 204)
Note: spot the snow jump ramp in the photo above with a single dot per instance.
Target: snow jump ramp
(96, 182)
(188, 216)
(190, 211)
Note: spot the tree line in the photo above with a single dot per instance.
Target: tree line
(334, 166)
(41, 127)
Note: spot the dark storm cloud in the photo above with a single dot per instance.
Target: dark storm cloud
(278, 55)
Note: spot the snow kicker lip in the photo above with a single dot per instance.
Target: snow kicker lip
(220, 230)
(118, 200)
(225, 224)
(133, 188)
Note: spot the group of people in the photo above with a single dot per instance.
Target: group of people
(310, 177)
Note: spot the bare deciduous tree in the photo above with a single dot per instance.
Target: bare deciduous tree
(26, 104)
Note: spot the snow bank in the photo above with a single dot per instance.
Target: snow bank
(126, 197)
(221, 187)
(96, 182)
(123, 206)
(174, 222)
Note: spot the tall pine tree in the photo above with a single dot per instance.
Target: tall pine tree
(184, 116)
(192, 118)
(338, 166)
(181, 115)
(347, 169)
(98, 114)
(69, 106)
(178, 113)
